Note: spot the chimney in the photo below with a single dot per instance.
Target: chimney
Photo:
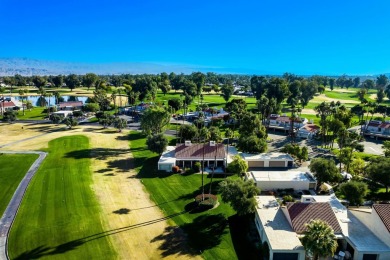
(187, 143)
(212, 143)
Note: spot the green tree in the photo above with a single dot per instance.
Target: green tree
(154, 120)
(105, 119)
(175, 103)
(72, 81)
(324, 170)
(378, 170)
(354, 192)
(188, 133)
(58, 81)
(238, 165)
(215, 134)
(356, 82)
(39, 81)
(331, 83)
(356, 168)
(157, 143)
(304, 154)
(91, 107)
(252, 144)
(346, 157)
(56, 119)
(368, 84)
(227, 92)
(70, 122)
(380, 95)
(240, 195)
(386, 147)
(120, 123)
(319, 239)
(9, 116)
(100, 97)
(89, 80)
(381, 81)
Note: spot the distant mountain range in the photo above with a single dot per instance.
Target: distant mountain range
(30, 67)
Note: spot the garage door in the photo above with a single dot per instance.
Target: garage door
(285, 256)
(277, 164)
(255, 164)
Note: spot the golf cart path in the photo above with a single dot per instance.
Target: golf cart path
(10, 212)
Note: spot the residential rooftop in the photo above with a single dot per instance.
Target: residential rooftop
(278, 230)
(281, 176)
(383, 211)
(267, 156)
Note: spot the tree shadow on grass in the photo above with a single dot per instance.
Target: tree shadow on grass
(123, 165)
(174, 242)
(205, 231)
(122, 211)
(41, 251)
(98, 153)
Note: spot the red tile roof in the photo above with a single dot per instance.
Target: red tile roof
(311, 127)
(7, 104)
(383, 211)
(303, 213)
(71, 104)
(384, 125)
(195, 151)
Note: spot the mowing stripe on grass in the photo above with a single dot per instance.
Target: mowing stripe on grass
(59, 217)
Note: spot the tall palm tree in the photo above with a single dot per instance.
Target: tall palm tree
(323, 111)
(2, 90)
(113, 97)
(319, 239)
(49, 95)
(22, 93)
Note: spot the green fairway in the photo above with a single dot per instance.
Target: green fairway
(208, 232)
(13, 169)
(59, 216)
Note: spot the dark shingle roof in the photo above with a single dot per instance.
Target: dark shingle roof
(303, 213)
(195, 151)
(383, 211)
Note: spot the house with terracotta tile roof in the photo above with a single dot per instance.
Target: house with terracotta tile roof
(308, 131)
(7, 106)
(355, 239)
(284, 122)
(71, 105)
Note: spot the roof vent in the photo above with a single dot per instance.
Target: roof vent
(187, 143)
(212, 143)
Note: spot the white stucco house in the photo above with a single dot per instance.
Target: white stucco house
(273, 180)
(268, 160)
(284, 122)
(308, 131)
(377, 128)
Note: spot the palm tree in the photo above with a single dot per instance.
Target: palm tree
(319, 239)
(21, 93)
(49, 95)
(113, 97)
(323, 111)
(2, 90)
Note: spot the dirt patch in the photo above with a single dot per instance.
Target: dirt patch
(374, 96)
(133, 220)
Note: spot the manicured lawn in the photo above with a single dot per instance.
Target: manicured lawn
(59, 216)
(208, 232)
(35, 114)
(13, 169)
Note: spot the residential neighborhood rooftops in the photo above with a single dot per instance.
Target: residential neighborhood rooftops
(70, 104)
(197, 151)
(311, 127)
(281, 176)
(302, 213)
(279, 232)
(267, 156)
(383, 211)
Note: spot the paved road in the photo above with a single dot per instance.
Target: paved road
(10, 212)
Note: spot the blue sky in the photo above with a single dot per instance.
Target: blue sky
(269, 36)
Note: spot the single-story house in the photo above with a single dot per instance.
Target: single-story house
(185, 155)
(354, 238)
(71, 105)
(273, 180)
(377, 128)
(7, 106)
(268, 160)
(308, 131)
(284, 122)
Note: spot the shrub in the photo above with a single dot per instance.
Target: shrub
(208, 202)
(197, 166)
(175, 169)
(287, 198)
